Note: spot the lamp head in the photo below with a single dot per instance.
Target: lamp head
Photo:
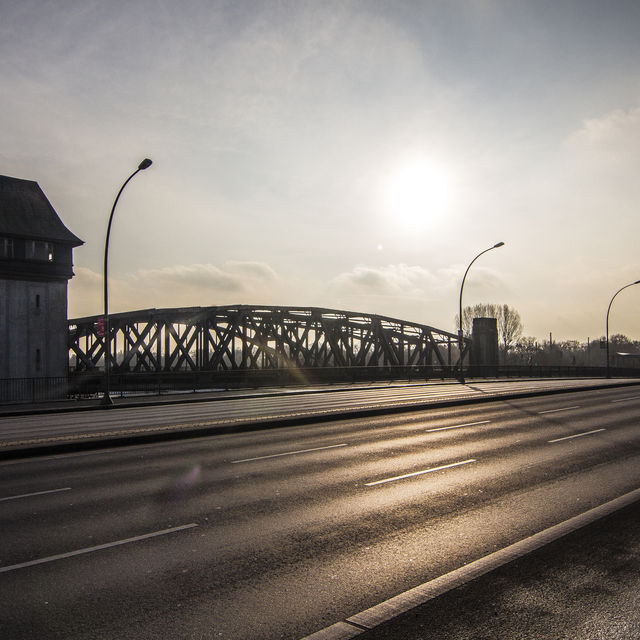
(499, 244)
(145, 164)
(637, 282)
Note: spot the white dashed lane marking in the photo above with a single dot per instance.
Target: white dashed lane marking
(35, 493)
(419, 473)
(577, 435)
(108, 545)
(289, 453)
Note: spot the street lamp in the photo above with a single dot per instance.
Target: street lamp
(607, 323)
(460, 332)
(106, 398)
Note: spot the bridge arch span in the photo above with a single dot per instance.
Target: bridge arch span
(226, 338)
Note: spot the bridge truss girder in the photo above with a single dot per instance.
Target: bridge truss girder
(224, 338)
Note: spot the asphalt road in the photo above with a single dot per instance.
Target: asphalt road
(281, 533)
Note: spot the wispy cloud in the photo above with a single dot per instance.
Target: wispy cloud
(176, 286)
(390, 280)
(235, 277)
(612, 140)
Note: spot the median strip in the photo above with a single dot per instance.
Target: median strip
(74, 442)
(577, 435)
(419, 473)
(288, 453)
(77, 552)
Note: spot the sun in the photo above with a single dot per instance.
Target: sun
(419, 193)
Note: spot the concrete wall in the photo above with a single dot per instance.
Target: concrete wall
(33, 329)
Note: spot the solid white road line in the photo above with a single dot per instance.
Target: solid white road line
(418, 473)
(557, 410)
(458, 426)
(577, 435)
(36, 493)
(78, 552)
(376, 615)
(288, 453)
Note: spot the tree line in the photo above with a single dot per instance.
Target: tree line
(518, 349)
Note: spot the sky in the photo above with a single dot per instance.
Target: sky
(352, 155)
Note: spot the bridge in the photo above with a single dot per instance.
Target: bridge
(243, 338)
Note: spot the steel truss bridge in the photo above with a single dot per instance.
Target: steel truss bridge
(227, 339)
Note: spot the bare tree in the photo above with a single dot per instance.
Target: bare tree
(528, 350)
(482, 310)
(510, 325)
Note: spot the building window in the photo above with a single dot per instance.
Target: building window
(6, 247)
(39, 250)
(38, 359)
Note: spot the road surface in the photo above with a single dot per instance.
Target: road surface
(284, 532)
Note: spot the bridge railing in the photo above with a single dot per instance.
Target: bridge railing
(254, 378)
(165, 382)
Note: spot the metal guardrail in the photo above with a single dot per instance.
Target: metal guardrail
(87, 384)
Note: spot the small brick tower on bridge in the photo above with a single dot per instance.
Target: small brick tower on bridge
(484, 350)
(36, 264)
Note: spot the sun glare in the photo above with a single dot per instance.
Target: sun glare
(419, 193)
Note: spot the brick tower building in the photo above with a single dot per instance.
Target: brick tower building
(36, 264)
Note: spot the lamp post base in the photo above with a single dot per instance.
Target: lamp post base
(106, 402)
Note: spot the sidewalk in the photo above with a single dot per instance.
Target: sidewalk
(584, 586)
(183, 397)
(208, 395)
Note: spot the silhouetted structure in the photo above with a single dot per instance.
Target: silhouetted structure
(221, 339)
(36, 264)
(484, 348)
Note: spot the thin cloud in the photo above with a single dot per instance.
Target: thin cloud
(398, 279)
(179, 285)
(617, 130)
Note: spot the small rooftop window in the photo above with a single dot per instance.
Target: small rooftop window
(39, 250)
(6, 248)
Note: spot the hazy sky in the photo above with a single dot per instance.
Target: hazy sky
(348, 154)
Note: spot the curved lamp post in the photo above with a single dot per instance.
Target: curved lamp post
(607, 323)
(106, 398)
(460, 332)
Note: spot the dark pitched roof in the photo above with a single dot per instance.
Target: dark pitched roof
(25, 212)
